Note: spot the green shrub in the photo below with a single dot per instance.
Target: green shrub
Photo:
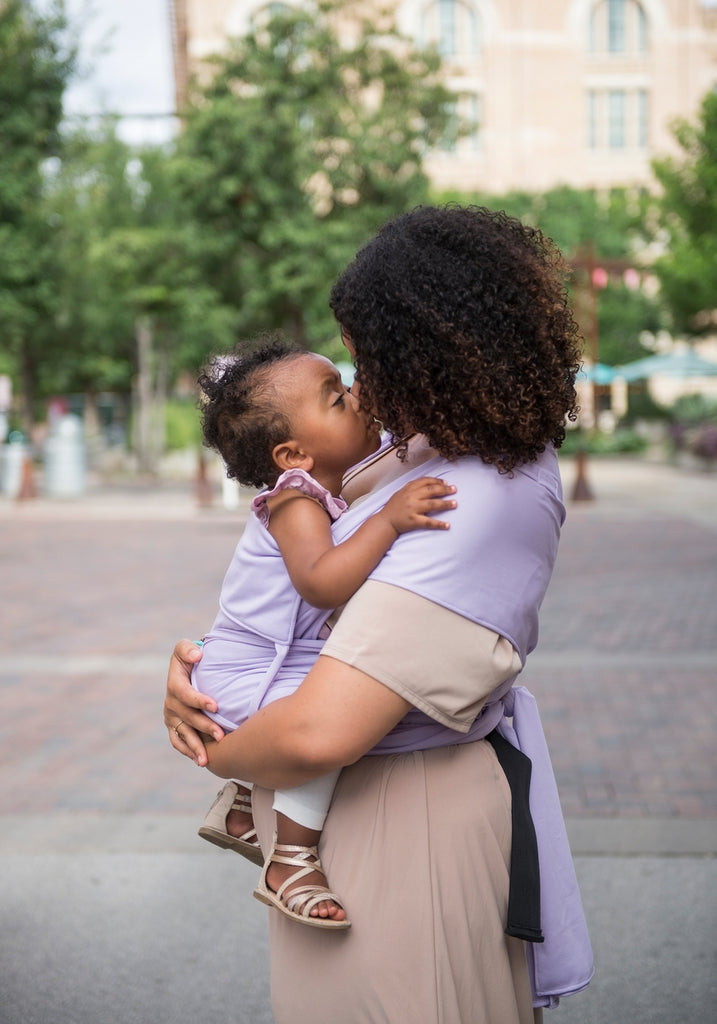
(694, 409)
(622, 442)
(182, 424)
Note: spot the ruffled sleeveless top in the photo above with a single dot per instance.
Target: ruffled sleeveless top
(299, 480)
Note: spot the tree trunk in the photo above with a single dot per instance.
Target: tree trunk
(143, 397)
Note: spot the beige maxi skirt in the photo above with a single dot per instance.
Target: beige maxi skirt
(418, 847)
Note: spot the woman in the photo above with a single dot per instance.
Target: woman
(465, 348)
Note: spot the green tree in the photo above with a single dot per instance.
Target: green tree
(687, 218)
(135, 310)
(89, 194)
(608, 230)
(37, 58)
(295, 152)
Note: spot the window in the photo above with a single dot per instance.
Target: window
(463, 129)
(643, 119)
(641, 29)
(617, 112)
(449, 138)
(474, 115)
(453, 26)
(592, 117)
(618, 27)
(616, 119)
(447, 43)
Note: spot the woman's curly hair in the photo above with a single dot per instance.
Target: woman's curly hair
(462, 331)
(242, 409)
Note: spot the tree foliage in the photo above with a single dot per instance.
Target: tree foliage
(687, 217)
(119, 266)
(127, 253)
(296, 150)
(135, 309)
(88, 195)
(37, 58)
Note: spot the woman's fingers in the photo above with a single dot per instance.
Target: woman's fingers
(187, 741)
(185, 707)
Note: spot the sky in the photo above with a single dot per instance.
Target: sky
(126, 57)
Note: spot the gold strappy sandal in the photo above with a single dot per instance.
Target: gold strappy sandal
(300, 902)
(214, 829)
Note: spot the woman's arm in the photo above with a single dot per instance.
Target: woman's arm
(336, 715)
(326, 575)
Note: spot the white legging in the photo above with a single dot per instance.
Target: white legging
(307, 804)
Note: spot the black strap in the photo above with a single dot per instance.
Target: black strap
(524, 891)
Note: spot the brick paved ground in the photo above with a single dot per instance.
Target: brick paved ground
(626, 668)
(94, 593)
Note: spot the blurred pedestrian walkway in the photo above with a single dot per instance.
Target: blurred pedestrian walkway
(98, 817)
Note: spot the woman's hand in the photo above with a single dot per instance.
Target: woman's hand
(184, 707)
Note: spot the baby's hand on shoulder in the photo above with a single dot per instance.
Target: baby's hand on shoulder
(410, 507)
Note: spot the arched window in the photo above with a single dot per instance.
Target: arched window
(453, 26)
(618, 27)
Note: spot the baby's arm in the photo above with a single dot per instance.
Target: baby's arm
(326, 575)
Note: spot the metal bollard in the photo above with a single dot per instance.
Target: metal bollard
(66, 459)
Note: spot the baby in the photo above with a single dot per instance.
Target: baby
(281, 418)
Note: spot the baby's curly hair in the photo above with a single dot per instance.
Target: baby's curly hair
(462, 331)
(242, 414)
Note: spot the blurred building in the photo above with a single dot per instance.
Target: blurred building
(577, 92)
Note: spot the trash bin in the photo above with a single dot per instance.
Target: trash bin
(66, 459)
(12, 458)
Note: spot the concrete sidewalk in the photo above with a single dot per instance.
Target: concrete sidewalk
(94, 937)
(98, 818)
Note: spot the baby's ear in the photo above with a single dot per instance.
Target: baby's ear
(288, 455)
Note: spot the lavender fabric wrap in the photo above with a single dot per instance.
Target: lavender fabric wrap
(493, 566)
(265, 638)
(563, 963)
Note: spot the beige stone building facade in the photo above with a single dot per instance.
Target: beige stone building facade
(577, 92)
